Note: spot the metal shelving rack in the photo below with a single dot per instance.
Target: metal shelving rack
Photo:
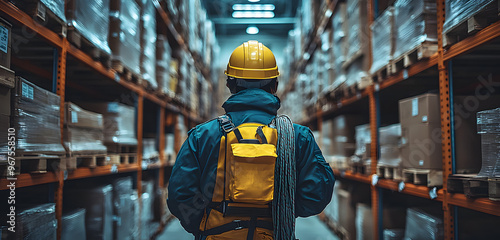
(440, 59)
(167, 109)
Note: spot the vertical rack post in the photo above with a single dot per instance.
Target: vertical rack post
(140, 108)
(374, 159)
(161, 145)
(61, 90)
(444, 97)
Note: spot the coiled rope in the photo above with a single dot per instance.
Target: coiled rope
(284, 181)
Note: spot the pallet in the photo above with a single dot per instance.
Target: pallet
(35, 163)
(43, 16)
(382, 73)
(82, 43)
(423, 50)
(469, 26)
(494, 189)
(426, 177)
(120, 148)
(456, 182)
(77, 160)
(361, 168)
(476, 187)
(390, 172)
(126, 73)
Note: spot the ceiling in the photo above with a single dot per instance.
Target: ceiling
(220, 12)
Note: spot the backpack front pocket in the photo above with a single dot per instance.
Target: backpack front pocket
(251, 178)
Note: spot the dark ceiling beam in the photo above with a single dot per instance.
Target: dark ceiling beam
(230, 21)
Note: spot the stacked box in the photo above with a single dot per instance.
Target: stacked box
(6, 74)
(5, 110)
(459, 11)
(421, 132)
(39, 8)
(364, 222)
(91, 19)
(423, 225)
(73, 225)
(148, 42)
(415, 24)
(169, 148)
(83, 130)
(383, 39)
(150, 153)
(33, 222)
(119, 122)
(35, 116)
(123, 208)
(390, 141)
(343, 135)
(147, 208)
(98, 203)
(394, 234)
(163, 58)
(347, 212)
(487, 126)
(339, 47)
(357, 28)
(125, 34)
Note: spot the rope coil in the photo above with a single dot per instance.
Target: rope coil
(284, 181)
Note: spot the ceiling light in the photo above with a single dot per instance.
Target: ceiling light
(253, 14)
(253, 7)
(252, 30)
(254, 0)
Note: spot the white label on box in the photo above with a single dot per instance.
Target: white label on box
(421, 162)
(113, 107)
(27, 91)
(424, 119)
(74, 117)
(4, 38)
(414, 107)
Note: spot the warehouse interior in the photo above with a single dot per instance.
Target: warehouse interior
(98, 96)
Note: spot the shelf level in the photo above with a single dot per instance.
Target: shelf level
(100, 171)
(27, 179)
(484, 205)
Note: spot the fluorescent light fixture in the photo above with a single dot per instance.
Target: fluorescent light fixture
(253, 14)
(254, 7)
(252, 30)
(254, 0)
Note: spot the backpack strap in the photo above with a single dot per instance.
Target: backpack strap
(225, 123)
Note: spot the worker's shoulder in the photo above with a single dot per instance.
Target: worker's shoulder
(210, 127)
(303, 131)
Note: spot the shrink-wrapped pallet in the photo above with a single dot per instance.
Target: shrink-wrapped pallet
(363, 141)
(83, 130)
(390, 142)
(125, 34)
(73, 225)
(423, 225)
(35, 116)
(123, 204)
(488, 123)
(383, 37)
(91, 19)
(339, 47)
(32, 222)
(357, 29)
(163, 73)
(148, 42)
(458, 11)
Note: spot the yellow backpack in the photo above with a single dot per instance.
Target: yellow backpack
(244, 189)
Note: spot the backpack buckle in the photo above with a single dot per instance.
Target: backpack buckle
(226, 123)
(238, 225)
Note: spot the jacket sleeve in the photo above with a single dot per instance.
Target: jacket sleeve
(185, 199)
(315, 179)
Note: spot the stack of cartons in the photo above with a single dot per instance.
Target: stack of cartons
(148, 43)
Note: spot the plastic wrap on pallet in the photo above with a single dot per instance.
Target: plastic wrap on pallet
(422, 225)
(91, 19)
(364, 221)
(415, 23)
(339, 43)
(390, 141)
(84, 130)
(123, 217)
(163, 71)
(148, 42)
(147, 208)
(56, 6)
(356, 71)
(98, 203)
(458, 11)
(382, 39)
(488, 123)
(125, 38)
(73, 225)
(32, 222)
(36, 118)
(357, 33)
(119, 121)
(363, 140)
(149, 149)
(394, 234)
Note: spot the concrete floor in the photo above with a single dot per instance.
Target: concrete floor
(310, 228)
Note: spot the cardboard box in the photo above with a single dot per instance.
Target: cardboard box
(5, 97)
(5, 42)
(7, 77)
(343, 134)
(390, 141)
(420, 132)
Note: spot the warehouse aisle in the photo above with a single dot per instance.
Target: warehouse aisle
(310, 228)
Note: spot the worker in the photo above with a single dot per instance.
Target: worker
(247, 174)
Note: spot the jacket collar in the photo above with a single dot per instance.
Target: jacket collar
(252, 99)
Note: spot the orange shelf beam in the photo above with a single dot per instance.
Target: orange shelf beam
(27, 179)
(85, 172)
(20, 17)
(478, 204)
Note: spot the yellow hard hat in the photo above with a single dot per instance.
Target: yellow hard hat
(252, 60)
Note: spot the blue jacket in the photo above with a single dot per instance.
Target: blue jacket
(193, 176)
